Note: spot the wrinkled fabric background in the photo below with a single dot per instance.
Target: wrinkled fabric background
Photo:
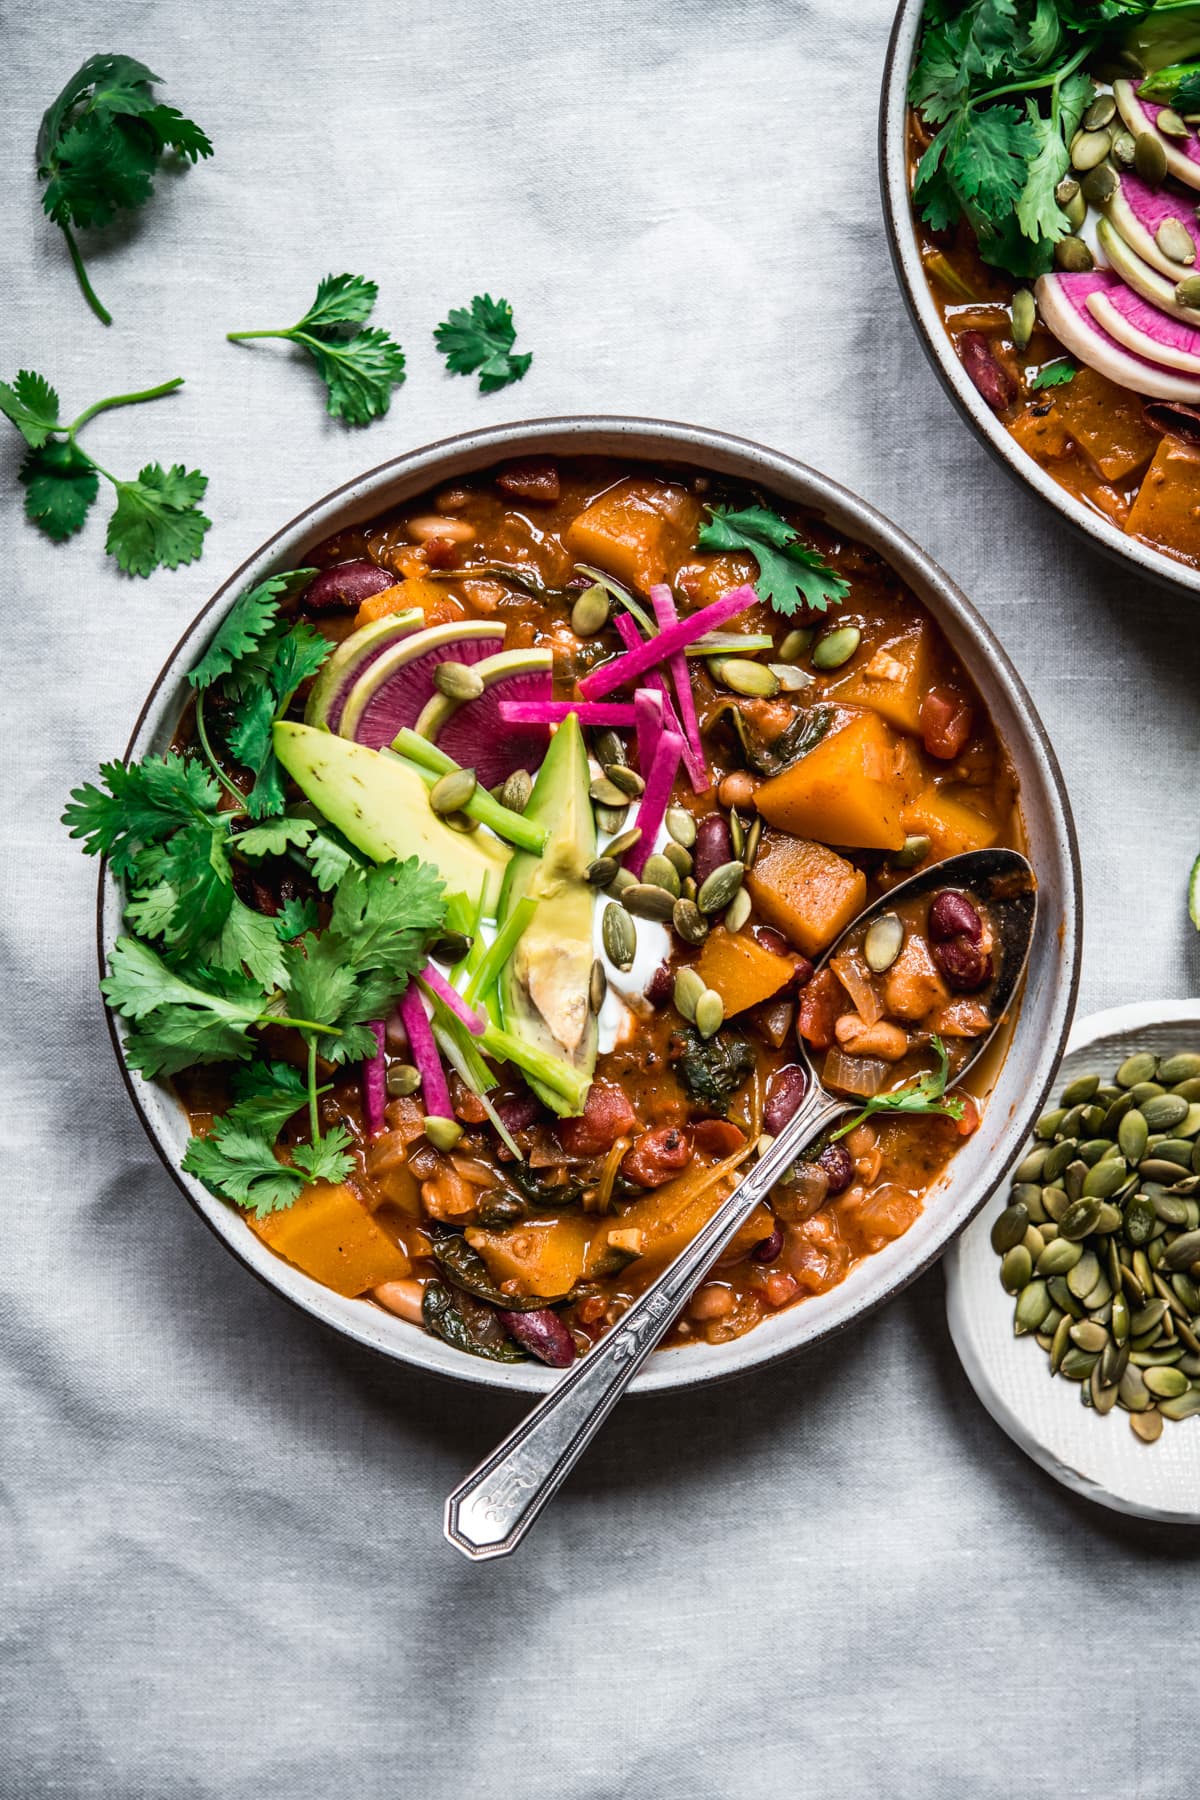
(220, 1532)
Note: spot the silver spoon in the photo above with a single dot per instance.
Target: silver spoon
(495, 1506)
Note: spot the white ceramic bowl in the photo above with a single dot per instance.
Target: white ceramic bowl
(1096, 1455)
(1051, 982)
(902, 237)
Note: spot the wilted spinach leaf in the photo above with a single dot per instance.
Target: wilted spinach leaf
(713, 1070)
(466, 1323)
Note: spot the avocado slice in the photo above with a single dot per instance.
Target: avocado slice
(543, 990)
(382, 807)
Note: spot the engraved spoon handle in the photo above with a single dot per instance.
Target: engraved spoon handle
(495, 1506)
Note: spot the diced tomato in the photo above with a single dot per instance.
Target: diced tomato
(969, 1123)
(606, 1116)
(717, 1137)
(657, 1156)
(534, 479)
(441, 553)
(779, 1287)
(820, 1004)
(467, 1106)
(945, 723)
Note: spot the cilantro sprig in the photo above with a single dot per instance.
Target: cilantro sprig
(923, 1095)
(1055, 374)
(790, 574)
(99, 147)
(1004, 82)
(359, 366)
(480, 338)
(157, 521)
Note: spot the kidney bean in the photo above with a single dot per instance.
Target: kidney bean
(963, 963)
(543, 1334)
(657, 1156)
(945, 720)
(805, 971)
(838, 1164)
(535, 478)
(952, 915)
(989, 376)
(820, 1005)
(661, 984)
(712, 847)
(519, 1111)
(347, 584)
(768, 1248)
(606, 1116)
(769, 939)
(785, 1090)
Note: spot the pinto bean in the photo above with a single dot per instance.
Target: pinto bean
(535, 478)
(965, 964)
(402, 1298)
(881, 1039)
(737, 789)
(347, 584)
(712, 1301)
(434, 525)
(785, 1090)
(952, 915)
(657, 1156)
(990, 377)
(712, 847)
(543, 1334)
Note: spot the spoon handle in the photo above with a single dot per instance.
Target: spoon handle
(495, 1506)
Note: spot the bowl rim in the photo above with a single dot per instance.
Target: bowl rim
(931, 333)
(662, 441)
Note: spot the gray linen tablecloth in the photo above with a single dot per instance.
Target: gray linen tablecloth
(220, 1551)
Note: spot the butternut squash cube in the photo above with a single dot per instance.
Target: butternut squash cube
(952, 826)
(1107, 423)
(544, 1257)
(805, 890)
(892, 680)
(1167, 508)
(330, 1234)
(741, 971)
(431, 596)
(637, 531)
(844, 791)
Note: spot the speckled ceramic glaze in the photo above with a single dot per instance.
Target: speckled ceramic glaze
(1046, 1009)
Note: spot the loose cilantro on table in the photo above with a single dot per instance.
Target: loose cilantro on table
(359, 367)
(790, 575)
(100, 145)
(157, 522)
(480, 338)
(924, 1095)
(1004, 82)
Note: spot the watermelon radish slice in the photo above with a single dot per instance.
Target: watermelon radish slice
(1137, 210)
(331, 689)
(1145, 330)
(392, 691)
(473, 731)
(1141, 277)
(1063, 303)
(1183, 154)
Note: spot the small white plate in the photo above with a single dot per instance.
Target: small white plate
(1095, 1454)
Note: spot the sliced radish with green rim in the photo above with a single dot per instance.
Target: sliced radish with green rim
(1140, 115)
(393, 691)
(1145, 330)
(352, 657)
(1158, 289)
(475, 732)
(1063, 302)
(1138, 211)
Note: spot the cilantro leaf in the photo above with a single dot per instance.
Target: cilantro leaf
(261, 693)
(274, 837)
(294, 918)
(330, 856)
(180, 1017)
(266, 1096)
(144, 803)
(99, 147)
(481, 338)
(158, 519)
(924, 1095)
(249, 619)
(250, 938)
(359, 367)
(240, 1164)
(32, 406)
(60, 484)
(329, 1160)
(790, 575)
(1054, 375)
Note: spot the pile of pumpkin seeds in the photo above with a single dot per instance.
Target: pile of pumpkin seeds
(1100, 1241)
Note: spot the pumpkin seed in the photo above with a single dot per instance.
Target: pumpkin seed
(1171, 124)
(750, 847)
(1009, 1228)
(1164, 1111)
(619, 936)
(737, 835)
(611, 818)
(1139, 1067)
(835, 648)
(627, 781)
(1184, 1251)
(1114, 1360)
(1150, 157)
(1132, 1134)
(1088, 1335)
(1034, 1242)
(1181, 1406)
(718, 889)
(1066, 190)
(1189, 1090)
(1030, 1167)
(1079, 1091)
(626, 841)
(1102, 1182)
(1184, 1066)
(1124, 148)
(1146, 1425)
(1175, 241)
(1084, 1276)
(1089, 148)
(1103, 1393)
(1079, 1219)
(1072, 256)
(457, 681)
(1147, 1317)
(754, 680)
(883, 942)
(688, 988)
(1059, 1257)
(914, 850)
(590, 612)
(461, 822)
(1033, 1303)
(1060, 1343)
(681, 826)
(1016, 1269)
(450, 948)
(1024, 317)
(1062, 1296)
(601, 870)
(597, 986)
(443, 1134)
(710, 1013)
(738, 910)
(661, 872)
(1166, 1383)
(1146, 1090)
(1049, 1122)
(646, 901)
(620, 881)
(1076, 1365)
(514, 793)
(689, 922)
(1188, 1291)
(402, 1080)
(606, 793)
(1133, 1392)
(791, 679)
(678, 857)
(1169, 1210)
(451, 793)
(1055, 1160)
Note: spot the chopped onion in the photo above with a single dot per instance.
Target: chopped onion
(856, 979)
(627, 668)
(854, 1074)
